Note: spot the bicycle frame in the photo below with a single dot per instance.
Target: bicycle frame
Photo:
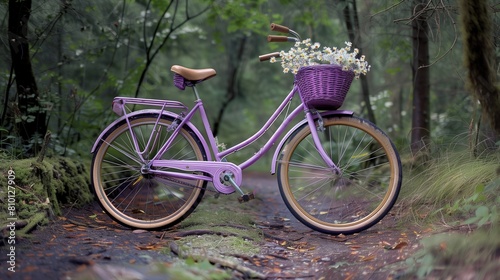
(218, 167)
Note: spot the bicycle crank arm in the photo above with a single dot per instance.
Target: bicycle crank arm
(217, 171)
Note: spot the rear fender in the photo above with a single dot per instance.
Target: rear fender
(153, 111)
(285, 139)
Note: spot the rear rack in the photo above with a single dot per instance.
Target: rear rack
(119, 104)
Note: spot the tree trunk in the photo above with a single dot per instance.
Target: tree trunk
(477, 32)
(352, 25)
(420, 134)
(31, 117)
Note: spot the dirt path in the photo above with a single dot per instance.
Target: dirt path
(377, 253)
(68, 246)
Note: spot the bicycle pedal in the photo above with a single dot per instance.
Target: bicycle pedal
(246, 197)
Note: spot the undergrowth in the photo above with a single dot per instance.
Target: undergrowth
(449, 185)
(455, 254)
(456, 193)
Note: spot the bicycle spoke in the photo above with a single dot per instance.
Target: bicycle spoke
(359, 196)
(123, 151)
(128, 191)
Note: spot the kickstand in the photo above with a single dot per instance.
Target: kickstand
(244, 197)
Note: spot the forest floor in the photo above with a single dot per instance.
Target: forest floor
(86, 244)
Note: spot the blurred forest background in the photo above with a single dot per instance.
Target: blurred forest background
(84, 53)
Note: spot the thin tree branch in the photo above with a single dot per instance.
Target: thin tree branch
(431, 8)
(157, 27)
(48, 30)
(416, 15)
(455, 39)
(150, 56)
(388, 8)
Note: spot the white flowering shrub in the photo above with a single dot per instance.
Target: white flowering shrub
(306, 53)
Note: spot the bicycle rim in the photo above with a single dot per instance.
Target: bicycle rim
(360, 196)
(145, 201)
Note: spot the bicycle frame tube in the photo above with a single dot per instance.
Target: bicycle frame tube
(266, 126)
(273, 138)
(134, 138)
(211, 139)
(184, 120)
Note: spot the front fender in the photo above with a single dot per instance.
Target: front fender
(279, 148)
(153, 111)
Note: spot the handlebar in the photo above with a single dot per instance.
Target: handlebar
(268, 56)
(276, 38)
(279, 28)
(287, 30)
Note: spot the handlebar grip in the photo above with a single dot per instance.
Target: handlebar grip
(277, 38)
(279, 28)
(268, 56)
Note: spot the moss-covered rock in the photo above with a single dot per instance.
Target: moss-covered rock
(42, 187)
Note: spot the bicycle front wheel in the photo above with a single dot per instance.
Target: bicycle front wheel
(136, 198)
(349, 202)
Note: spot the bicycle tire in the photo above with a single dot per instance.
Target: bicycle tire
(145, 201)
(353, 201)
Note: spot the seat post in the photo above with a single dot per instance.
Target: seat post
(196, 93)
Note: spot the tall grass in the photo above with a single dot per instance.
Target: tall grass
(455, 187)
(446, 176)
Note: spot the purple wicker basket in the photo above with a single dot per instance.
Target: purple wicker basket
(323, 86)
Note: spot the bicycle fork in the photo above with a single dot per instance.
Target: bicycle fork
(317, 141)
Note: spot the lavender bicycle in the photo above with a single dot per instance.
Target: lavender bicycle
(336, 173)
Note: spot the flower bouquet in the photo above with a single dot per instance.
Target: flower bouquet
(323, 76)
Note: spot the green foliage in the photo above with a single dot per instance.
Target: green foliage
(481, 205)
(474, 251)
(486, 204)
(461, 191)
(242, 15)
(456, 254)
(483, 215)
(315, 13)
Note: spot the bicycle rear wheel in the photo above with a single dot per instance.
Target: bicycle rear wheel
(136, 198)
(352, 201)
